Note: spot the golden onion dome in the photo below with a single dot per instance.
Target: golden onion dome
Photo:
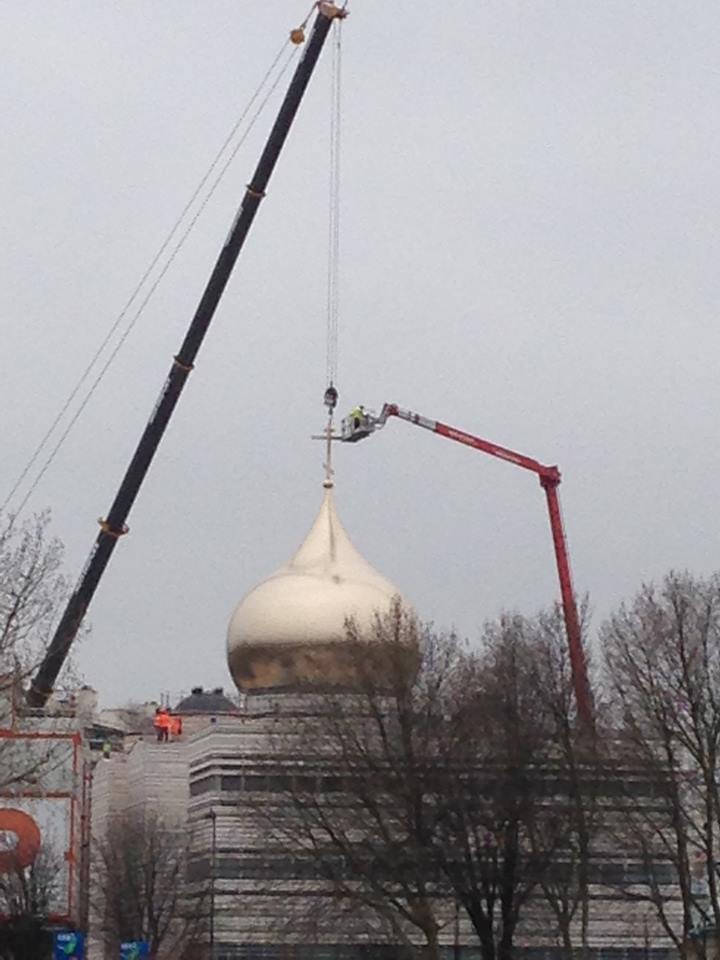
(289, 632)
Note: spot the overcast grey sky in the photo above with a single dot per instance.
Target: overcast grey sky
(530, 249)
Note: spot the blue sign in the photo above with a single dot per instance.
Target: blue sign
(67, 945)
(134, 950)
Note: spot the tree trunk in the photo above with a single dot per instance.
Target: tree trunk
(431, 950)
(484, 932)
(567, 944)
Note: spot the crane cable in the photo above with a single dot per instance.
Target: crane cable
(333, 291)
(333, 265)
(296, 38)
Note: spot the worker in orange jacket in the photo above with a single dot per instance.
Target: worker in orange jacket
(162, 724)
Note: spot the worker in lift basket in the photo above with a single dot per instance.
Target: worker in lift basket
(358, 416)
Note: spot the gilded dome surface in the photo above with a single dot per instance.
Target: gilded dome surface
(289, 631)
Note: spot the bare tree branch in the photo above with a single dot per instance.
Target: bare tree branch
(139, 887)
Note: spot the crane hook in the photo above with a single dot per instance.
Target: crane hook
(331, 398)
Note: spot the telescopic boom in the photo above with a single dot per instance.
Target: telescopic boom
(115, 525)
(361, 424)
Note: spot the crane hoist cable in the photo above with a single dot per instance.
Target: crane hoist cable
(295, 39)
(333, 284)
(333, 265)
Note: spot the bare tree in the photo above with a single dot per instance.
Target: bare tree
(663, 654)
(139, 886)
(426, 785)
(359, 807)
(499, 834)
(578, 760)
(32, 590)
(26, 897)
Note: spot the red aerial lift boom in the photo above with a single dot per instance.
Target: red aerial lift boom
(361, 424)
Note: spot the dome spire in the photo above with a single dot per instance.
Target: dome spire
(330, 401)
(329, 483)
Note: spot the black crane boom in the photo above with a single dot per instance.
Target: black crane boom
(115, 525)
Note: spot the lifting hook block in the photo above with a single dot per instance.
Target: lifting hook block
(297, 36)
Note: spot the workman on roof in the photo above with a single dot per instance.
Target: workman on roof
(162, 723)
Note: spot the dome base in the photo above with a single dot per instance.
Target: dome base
(340, 666)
